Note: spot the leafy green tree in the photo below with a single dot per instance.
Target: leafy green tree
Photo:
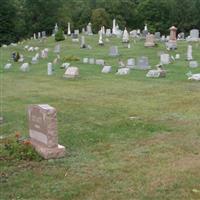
(7, 24)
(99, 18)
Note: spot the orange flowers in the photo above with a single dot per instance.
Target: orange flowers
(26, 142)
(17, 134)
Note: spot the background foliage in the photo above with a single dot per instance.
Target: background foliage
(21, 18)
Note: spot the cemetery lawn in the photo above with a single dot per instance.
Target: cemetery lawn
(127, 137)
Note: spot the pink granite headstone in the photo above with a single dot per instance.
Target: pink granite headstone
(43, 131)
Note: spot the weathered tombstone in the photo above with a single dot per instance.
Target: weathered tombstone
(39, 35)
(123, 71)
(21, 59)
(89, 29)
(164, 59)
(36, 48)
(150, 40)
(76, 32)
(49, 69)
(71, 72)
(177, 57)
(99, 62)
(114, 51)
(194, 35)
(172, 44)
(163, 39)
(8, 66)
(133, 33)
(85, 60)
(181, 36)
(125, 37)
(114, 27)
(34, 60)
(130, 63)
(34, 36)
(65, 65)
(156, 73)
(24, 67)
(193, 64)
(145, 31)
(157, 36)
(101, 38)
(108, 32)
(43, 131)
(189, 53)
(57, 48)
(68, 29)
(91, 61)
(106, 69)
(142, 63)
(43, 34)
(83, 45)
(195, 77)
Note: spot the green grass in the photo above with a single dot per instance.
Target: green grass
(155, 155)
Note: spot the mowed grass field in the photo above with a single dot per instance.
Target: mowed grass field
(126, 137)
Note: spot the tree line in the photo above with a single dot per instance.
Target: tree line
(19, 19)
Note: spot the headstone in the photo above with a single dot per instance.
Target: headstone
(68, 29)
(114, 51)
(34, 60)
(21, 59)
(43, 131)
(156, 73)
(133, 33)
(181, 36)
(36, 48)
(108, 32)
(24, 67)
(76, 32)
(49, 69)
(57, 48)
(157, 36)
(123, 71)
(89, 29)
(91, 61)
(114, 27)
(164, 59)
(172, 44)
(65, 65)
(194, 35)
(83, 45)
(130, 63)
(30, 49)
(56, 28)
(8, 66)
(150, 40)
(125, 37)
(34, 36)
(145, 31)
(39, 35)
(101, 38)
(177, 57)
(193, 64)
(43, 34)
(189, 53)
(85, 60)
(106, 69)
(71, 72)
(99, 62)
(142, 63)
(195, 77)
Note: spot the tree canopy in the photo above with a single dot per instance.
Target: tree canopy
(21, 18)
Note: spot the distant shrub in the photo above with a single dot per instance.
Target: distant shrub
(59, 36)
(70, 58)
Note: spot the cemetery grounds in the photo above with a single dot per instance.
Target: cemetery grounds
(127, 137)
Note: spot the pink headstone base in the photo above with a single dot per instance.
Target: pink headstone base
(48, 153)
